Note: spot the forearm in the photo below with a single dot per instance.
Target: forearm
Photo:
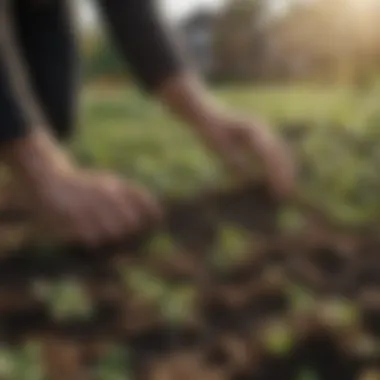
(149, 48)
(25, 146)
(158, 62)
(187, 98)
(35, 156)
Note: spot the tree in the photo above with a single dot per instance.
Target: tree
(239, 38)
(331, 40)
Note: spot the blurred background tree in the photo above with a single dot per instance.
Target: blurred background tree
(324, 40)
(251, 40)
(240, 38)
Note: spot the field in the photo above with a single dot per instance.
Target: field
(124, 131)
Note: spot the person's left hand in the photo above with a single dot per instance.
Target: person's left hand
(239, 142)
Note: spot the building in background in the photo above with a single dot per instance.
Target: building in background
(198, 34)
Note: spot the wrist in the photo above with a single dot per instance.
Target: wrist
(186, 97)
(33, 157)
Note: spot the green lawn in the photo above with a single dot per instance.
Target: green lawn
(125, 131)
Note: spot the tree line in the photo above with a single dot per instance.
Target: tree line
(324, 40)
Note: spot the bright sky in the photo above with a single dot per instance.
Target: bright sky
(178, 8)
(174, 9)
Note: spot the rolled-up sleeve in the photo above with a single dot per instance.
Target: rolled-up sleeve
(145, 41)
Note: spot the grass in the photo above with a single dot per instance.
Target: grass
(124, 131)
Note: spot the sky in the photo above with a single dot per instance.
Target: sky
(177, 9)
(174, 9)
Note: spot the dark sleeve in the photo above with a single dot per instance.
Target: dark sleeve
(18, 110)
(13, 120)
(145, 42)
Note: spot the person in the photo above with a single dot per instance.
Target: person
(38, 97)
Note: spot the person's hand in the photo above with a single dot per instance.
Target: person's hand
(239, 142)
(89, 208)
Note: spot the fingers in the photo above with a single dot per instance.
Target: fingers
(280, 169)
(114, 214)
(275, 157)
(100, 209)
(119, 209)
(244, 144)
(227, 143)
(250, 151)
(144, 204)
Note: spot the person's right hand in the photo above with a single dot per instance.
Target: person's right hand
(86, 207)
